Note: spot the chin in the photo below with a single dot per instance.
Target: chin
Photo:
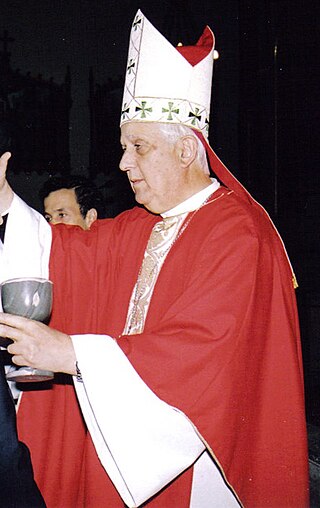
(153, 209)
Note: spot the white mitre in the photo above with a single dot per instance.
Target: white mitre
(161, 85)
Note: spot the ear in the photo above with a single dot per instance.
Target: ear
(91, 216)
(189, 150)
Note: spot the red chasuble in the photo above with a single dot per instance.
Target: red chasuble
(221, 343)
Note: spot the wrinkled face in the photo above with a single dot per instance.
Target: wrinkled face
(152, 165)
(61, 206)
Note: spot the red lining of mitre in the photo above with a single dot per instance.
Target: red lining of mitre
(194, 54)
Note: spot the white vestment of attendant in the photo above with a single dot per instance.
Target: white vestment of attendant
(26, 249)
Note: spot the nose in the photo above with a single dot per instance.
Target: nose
(127, 161)
(54, 220)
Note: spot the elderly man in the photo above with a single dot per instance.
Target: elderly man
(191, 385)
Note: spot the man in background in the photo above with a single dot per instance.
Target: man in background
(72, 200)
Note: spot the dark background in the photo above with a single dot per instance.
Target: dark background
(264, 119)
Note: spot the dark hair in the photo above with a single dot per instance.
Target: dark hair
(87, 194)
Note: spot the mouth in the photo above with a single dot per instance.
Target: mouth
(135, 182)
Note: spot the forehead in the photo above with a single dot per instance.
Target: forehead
(141, 130)
(61, 198)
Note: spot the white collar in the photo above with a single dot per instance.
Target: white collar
(194, 202)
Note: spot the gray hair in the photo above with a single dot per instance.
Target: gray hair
(175, 131)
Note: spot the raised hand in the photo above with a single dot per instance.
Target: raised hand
(6, 193)
(3, 167)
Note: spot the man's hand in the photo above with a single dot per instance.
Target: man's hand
(3, 167)
(6, 193)
(36, 345)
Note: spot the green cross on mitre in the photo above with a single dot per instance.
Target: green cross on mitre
(170, 110)
(125, 110)
(144, 110)
(131, 65)
(195, 116)
(136, 22)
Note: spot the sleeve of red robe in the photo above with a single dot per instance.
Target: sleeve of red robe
(49, 416)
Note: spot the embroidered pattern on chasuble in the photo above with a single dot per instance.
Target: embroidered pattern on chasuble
(163, 236)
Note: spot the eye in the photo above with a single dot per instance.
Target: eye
(137, 146)
(123, 148)
(48, 218)
(61, 215)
